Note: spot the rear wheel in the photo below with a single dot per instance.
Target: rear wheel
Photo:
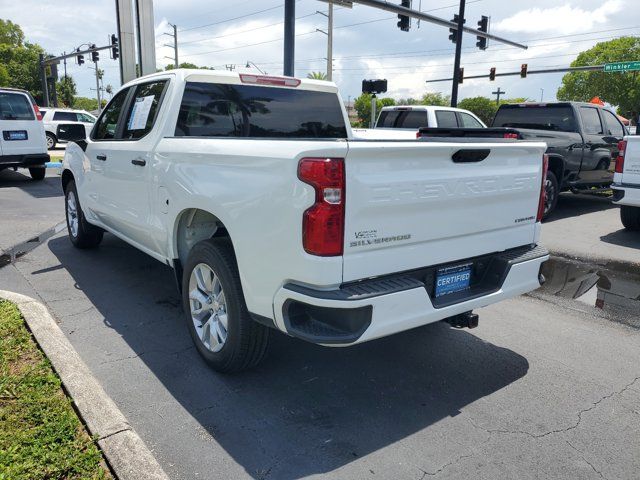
(37, 173)
(552, 192)
(630, 217)
(51, 141)
(81, 233)
(224, 333)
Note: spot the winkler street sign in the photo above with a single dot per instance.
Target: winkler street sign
(622, 67)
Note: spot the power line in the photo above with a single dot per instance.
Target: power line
(281, 39)
(258, 12)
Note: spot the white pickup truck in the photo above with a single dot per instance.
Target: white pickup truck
(254, 191)
(626, 182)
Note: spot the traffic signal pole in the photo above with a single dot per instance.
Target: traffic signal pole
(456, 62)
(289, 37)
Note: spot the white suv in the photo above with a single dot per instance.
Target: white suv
(53, 117)
(22, 141)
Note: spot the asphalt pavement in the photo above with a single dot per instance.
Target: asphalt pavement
(588, 227)
(28, 208)
(546, 387)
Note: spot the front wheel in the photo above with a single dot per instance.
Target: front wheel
(224, 333)
(552, 192)
(630, 217)
(81, 233)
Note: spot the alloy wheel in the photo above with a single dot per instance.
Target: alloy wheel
(208, 307)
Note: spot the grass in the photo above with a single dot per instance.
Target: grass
(41, 436)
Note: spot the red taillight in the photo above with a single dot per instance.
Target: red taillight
(543, 191)
(622, 146)
(323, 222)
(38, 114)
(513, 136)
(267, 80)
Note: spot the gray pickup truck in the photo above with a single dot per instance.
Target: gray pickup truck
(582, 140)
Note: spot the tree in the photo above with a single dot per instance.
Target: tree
(483, 107)
(436, 99)
(84, 103)
(66, 90)
(187, 65)
(362, 105)
(20, 59)
(621, 89)
(317, 76)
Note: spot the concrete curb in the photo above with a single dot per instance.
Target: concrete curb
(125, 452)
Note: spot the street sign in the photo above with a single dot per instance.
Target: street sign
(622, 67)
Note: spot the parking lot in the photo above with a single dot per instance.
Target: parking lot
(546, 387)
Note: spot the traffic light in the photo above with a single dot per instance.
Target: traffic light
(405, 22)
(492, 74)
(483, 26)
(79, 58)
(461, 75)
(95, 56)
(115, 51)
(453, 36)
(523, 70)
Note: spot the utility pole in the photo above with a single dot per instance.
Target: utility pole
(498, 93)
(43, 82)
(98, 86)
(330, 43)
(456, 63)
(175, 44)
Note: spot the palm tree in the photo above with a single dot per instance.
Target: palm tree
(317, 76)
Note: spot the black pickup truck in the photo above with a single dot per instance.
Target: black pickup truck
(582, 140)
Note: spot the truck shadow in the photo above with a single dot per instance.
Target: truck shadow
(307, 409)
(574, 205)
(48, 188)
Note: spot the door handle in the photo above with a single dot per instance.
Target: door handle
(102, 158)
(139, 162)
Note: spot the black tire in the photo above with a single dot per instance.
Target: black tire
(84, 235)
(552, 193)
(37, 173)
(246, 341)
(51, 141)
(630, 217)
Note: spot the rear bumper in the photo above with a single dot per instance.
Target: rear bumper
(376, 308)
(26, 160)
(625, 194)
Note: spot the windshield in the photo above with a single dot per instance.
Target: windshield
(558, 118)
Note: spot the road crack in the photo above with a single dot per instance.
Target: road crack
(558, 430)
(426, 474)
(585, 460)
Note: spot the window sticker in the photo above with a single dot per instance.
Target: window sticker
(140, 113)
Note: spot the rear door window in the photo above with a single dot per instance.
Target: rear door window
(107, 125)
(467, 121)
(15, 106)
(614, 126)
(591, 121)
(558, 118)
(65, 117)
(446, 119)
(216, 110)
(143, 110)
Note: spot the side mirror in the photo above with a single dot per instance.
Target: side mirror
(73, 132)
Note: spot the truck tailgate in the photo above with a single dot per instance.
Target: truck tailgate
(631, 172)
(410, 205)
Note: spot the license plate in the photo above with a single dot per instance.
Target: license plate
(15, 135)
(453, 279)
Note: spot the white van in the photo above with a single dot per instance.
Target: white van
(22, 140)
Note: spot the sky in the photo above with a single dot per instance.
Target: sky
(367, 42)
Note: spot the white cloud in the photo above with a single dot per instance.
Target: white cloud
(564, 19)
